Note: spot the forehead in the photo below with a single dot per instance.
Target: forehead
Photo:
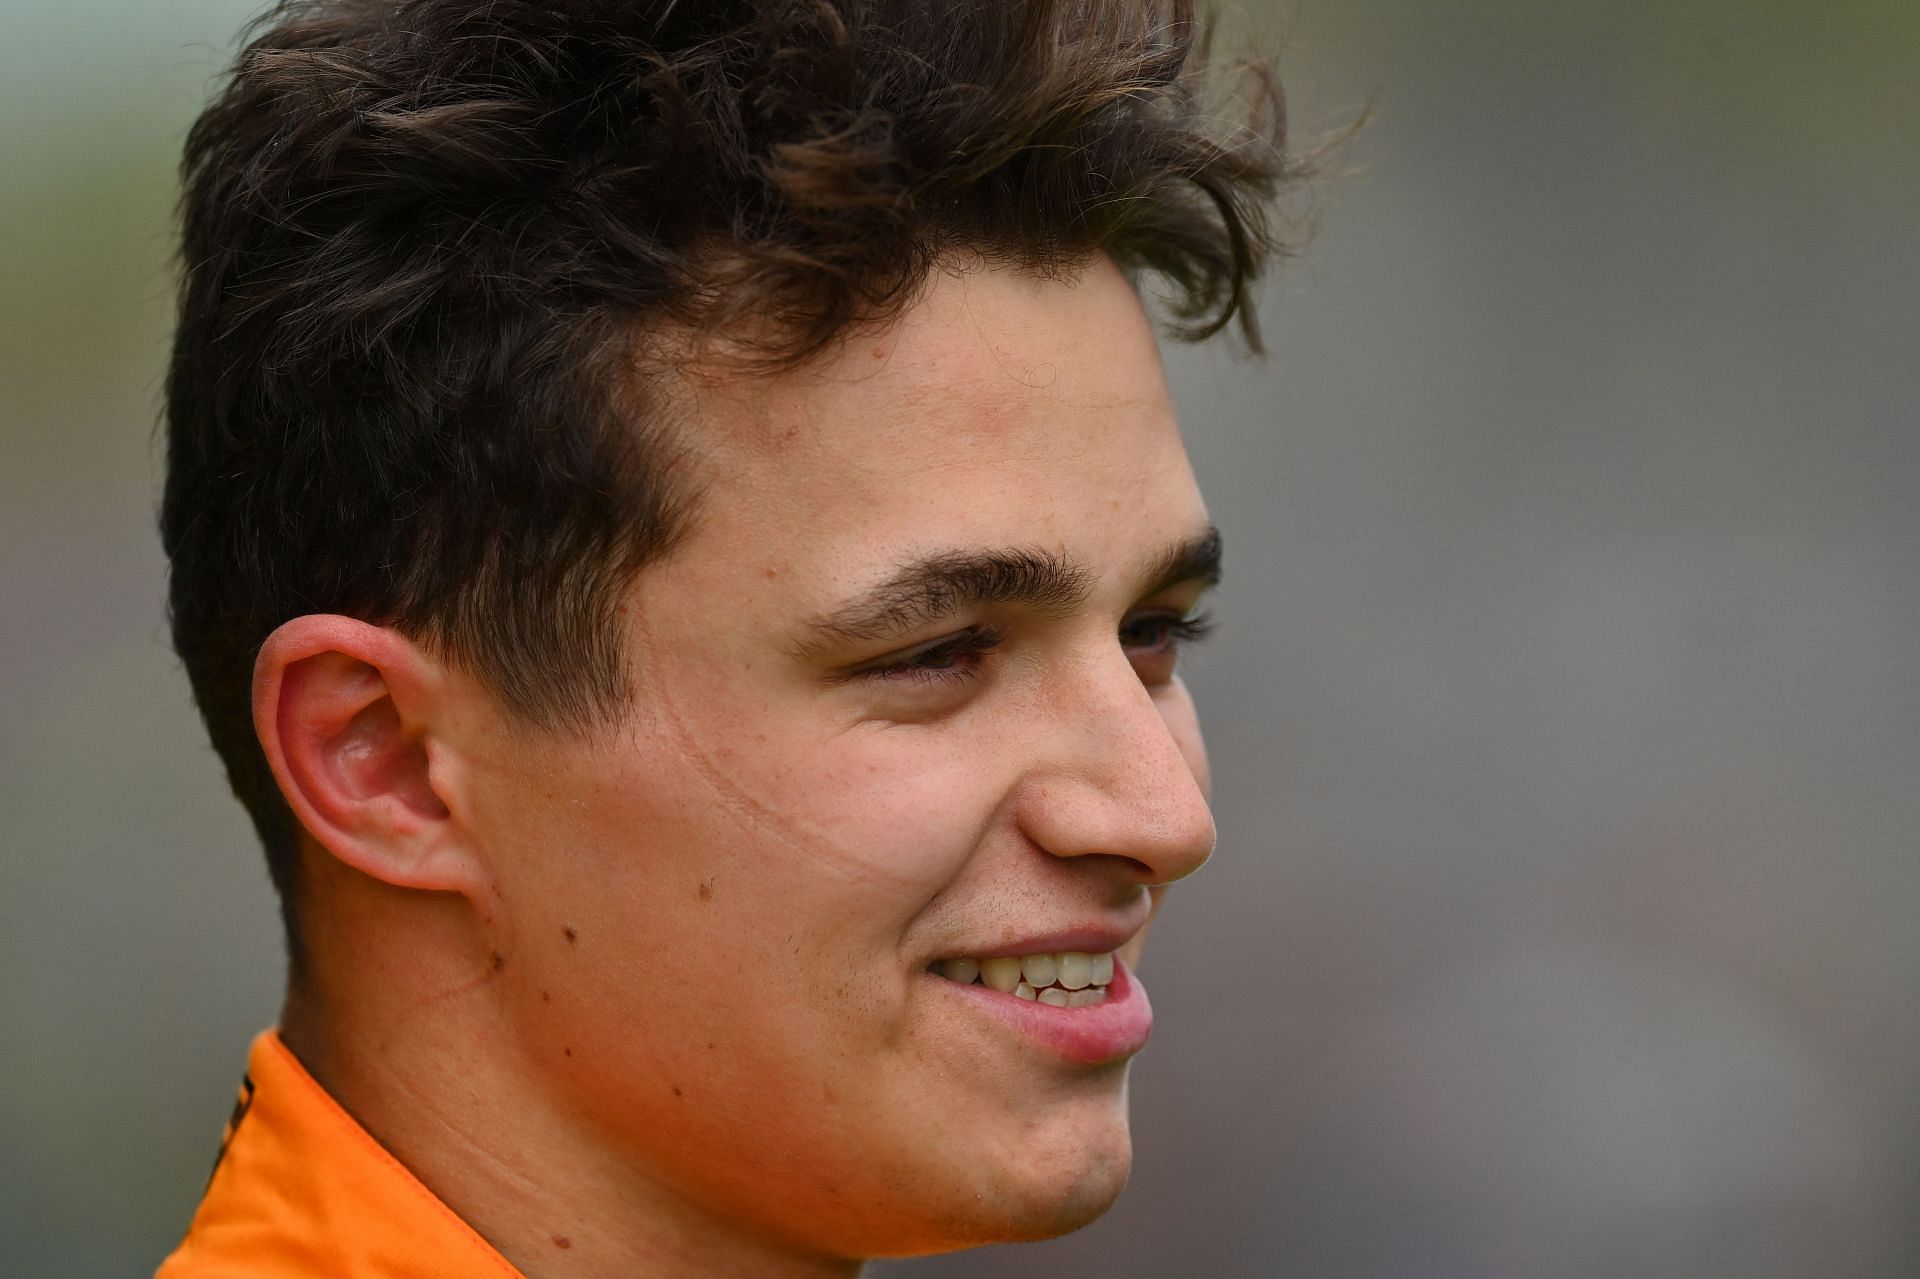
(993, 376)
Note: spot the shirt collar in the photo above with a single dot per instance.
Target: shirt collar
(300, 1188)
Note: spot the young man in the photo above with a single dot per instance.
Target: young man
(679, 536)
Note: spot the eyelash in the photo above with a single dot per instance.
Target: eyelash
(924, 665)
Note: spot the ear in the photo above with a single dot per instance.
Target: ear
(346, 712)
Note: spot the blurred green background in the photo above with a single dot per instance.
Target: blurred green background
(1566, 715)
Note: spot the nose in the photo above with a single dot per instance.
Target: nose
(1122, 773)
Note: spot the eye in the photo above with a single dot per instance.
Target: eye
(1161, 632)
(954, 657)
(1153, 641)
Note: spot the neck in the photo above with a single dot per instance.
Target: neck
(432, 1071)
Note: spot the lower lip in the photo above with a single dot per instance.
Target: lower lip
(1093, 1034)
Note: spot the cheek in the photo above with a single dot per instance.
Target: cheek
(824, 845)
(890, 814)
(772, 776)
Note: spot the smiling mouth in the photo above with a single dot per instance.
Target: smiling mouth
(1064, 979)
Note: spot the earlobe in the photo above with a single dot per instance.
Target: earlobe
(344, 711)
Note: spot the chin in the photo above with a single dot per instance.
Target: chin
(1062, 1176)
(1057, 1210)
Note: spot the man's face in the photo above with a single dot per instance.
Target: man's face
(905, 695)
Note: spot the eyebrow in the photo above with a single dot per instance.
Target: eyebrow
(1193, 559)
(945, 583)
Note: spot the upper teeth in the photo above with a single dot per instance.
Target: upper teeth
(1067, 978)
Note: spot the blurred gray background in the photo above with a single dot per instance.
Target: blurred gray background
(1565, 714)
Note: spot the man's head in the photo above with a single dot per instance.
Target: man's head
(679, 536)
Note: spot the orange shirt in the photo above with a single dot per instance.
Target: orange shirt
(301, 1191)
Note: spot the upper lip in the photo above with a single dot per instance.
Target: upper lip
(1091, 938)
